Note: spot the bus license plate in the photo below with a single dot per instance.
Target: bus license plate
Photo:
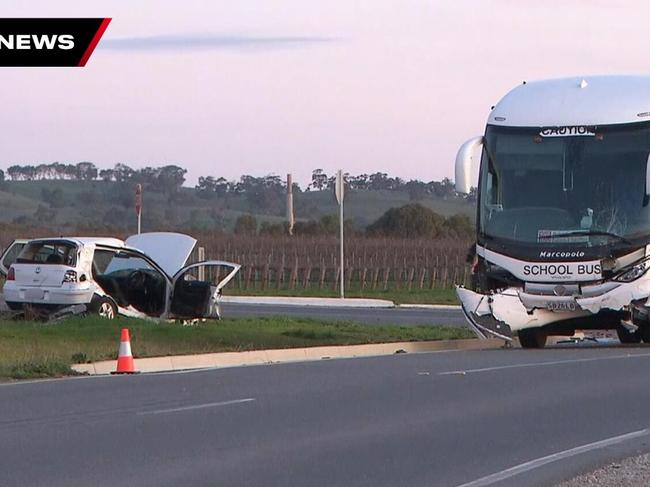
(561, 306)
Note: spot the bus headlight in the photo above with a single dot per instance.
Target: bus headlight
(633, 273)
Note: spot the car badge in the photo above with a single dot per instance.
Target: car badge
(559, 290)
(37, 270)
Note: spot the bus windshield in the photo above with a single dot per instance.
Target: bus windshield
(538, 186)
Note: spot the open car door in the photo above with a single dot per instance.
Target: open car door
(196, 289)
(9, 255)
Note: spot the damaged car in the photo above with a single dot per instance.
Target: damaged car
(145, 276)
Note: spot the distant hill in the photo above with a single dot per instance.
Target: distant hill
(60, 204)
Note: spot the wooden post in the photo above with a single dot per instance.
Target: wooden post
(267, 276)
(201, 258)
(411, 277)
(375, 277)
(249, 272)
(423, 275)
(323, 271)
(280, 276)
(294, 275)
(290, 217)
(307, 278)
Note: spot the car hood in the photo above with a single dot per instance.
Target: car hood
(169, 250)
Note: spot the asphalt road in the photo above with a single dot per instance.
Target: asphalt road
(415, 420)
(373, 316)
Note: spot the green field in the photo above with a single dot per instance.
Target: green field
(35, 349)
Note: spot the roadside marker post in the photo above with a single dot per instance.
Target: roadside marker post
(340, 193)
(125, 363)
(290, 215)
(138, 204)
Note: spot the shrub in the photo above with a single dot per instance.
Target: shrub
(245, 225)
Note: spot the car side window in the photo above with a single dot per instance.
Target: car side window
(101, 259)
(126, 260)
(213, 274)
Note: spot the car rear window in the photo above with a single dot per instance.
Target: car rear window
(53, 253)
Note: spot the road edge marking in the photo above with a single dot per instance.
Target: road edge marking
(554, 457)
(197, 406)
(543, 364)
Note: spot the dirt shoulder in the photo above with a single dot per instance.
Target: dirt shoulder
(631, 472)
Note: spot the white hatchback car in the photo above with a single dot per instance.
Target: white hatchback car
(144, 276)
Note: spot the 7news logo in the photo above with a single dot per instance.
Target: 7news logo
(49, 42)
(33, 41)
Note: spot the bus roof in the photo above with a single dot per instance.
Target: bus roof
(578, 101)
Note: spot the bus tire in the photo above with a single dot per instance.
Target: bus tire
(626, 336)
(532, 338)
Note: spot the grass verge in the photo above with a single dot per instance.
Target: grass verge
(34, 349)
(398, 296)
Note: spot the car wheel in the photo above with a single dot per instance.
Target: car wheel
(626, 336)
(105, 308)
(532, 338)
(14, 306)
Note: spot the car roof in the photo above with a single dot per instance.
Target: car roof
(168, 250)
(110, 241)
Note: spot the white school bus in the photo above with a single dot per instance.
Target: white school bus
(563, 217)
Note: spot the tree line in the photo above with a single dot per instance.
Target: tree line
(171, 178)
(166, 178)
(320, 181)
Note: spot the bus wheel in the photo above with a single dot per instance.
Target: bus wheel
(626, 336)
(532, 338)
(644, 332)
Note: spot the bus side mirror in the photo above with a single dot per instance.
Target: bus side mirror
(647, 177)
(464, 163)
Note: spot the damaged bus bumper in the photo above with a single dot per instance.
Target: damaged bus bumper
(502, 314)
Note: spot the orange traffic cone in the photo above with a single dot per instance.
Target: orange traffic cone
(124, 358)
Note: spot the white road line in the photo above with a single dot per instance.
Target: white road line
(198, 406)
(539, 462)
(543, 364)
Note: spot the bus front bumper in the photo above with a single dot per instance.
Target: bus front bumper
(503, 313)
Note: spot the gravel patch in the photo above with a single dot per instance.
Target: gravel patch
(631, 472)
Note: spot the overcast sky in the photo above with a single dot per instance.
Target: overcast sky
(225, 88)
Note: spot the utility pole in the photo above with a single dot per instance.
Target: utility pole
(138, 205)
(339, 188)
